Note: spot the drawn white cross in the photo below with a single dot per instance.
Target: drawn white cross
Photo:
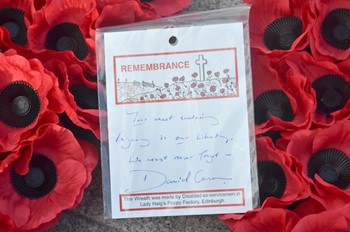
(201, 62)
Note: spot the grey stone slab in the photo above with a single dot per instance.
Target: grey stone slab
(88, 216)
(72, 222)
(202, 5)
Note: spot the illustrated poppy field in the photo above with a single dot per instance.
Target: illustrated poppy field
(49, 116)
(214, 85)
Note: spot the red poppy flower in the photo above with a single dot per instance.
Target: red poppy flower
(279, 104)
(80, 95)
(117, 12)
(330, 35)
(57, 173)
(167, 7)
(15, 16)
(324, 155)
(29, 97)
(280, 179)
(279, 26)
(268, 219)
(65, 25)
(330, 87)
(48, 225)
(331, 220)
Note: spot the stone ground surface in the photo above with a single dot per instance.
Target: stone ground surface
(88, 216)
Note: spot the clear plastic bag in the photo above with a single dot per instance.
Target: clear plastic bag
(179, 132)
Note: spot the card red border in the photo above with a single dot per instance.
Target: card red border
(234, 49)
(180, 207)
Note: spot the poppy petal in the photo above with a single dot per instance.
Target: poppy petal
(6, 223)
(330, 220)
(307, 207)
(73, 177)
(61, 143)
(122, 12)
(268, 218)
(8, 198)
(90, 163)
(78, 9)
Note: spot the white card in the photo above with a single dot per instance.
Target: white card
(178, 121)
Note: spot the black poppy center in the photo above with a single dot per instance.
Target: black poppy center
(332, 93)
(67, 37)
(275, 111)
(275, 103)
(13, 20)
(331, 99)
(270, 185)
(332, 165)
(272, 180)
(335, 28)
(35, 178)
(13, 29)
(66, 43)
(341, 33)
(85, 97)
(39, 181)
(21, 105)
(286, 40)
(282, 33)
(328, 173)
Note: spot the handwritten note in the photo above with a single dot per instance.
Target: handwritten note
(178, 122)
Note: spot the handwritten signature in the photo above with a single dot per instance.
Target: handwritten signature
(145, 180)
